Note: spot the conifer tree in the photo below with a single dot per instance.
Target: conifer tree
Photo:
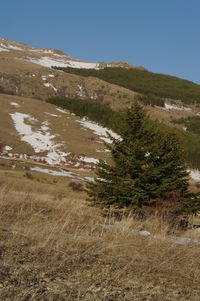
(147, 166)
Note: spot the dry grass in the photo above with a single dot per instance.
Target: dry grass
(65, 128)
(52, 248)
(17, 79)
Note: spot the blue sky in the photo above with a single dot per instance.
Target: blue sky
(162, 35)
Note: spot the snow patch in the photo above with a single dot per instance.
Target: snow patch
(62, 111)
(53, 115)
(80, 91)
(89, 160)
(7, 148)
(9, 47)
(14, 104)
(94, 96)
(3, 49)
(89, 179)
(103, 151)
(48, 85)
(40, 140)
(49, 62)
(98, 130)
(13, 47)
(195, 174)
(169, 107)
(61, 173)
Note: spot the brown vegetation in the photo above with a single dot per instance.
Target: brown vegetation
(54, 247)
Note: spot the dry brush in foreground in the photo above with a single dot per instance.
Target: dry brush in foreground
(52, 248)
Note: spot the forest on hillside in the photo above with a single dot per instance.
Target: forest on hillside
(153, 85)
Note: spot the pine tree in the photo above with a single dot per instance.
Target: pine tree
(147, 166)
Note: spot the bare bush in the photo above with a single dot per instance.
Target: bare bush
(76, 186)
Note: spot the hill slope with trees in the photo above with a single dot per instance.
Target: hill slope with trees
(153, 85)
(112, 119)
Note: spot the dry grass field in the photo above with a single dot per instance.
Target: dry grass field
(68, 132)
(53, 247)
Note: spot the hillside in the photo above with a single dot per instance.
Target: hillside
(53, 125)
(147, 83)
(50, 135)
(26, 71)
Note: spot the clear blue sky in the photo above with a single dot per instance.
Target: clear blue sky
(162, 35)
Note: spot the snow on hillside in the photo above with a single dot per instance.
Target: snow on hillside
(61, 173)
(8, 47)
(3, 49)
(40, 140)
(98, 130)
(49, 85)
(46, 61)
(39, 136)
(45, 57)
(169, 107)
(89, 160)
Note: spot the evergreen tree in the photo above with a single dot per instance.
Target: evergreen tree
(147, 166)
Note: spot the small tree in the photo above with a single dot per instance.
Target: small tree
(147, 166)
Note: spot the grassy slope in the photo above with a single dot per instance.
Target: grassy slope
(111, 119)
(65, 127)
(148, 83)
(52, 248)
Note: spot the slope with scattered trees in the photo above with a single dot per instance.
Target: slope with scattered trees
(154, 86)
(107, 117)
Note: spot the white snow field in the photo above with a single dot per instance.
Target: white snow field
(40, 140)
(49, 62)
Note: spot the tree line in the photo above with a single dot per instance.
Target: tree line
(153, 86)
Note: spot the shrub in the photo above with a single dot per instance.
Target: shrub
(76, 186)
